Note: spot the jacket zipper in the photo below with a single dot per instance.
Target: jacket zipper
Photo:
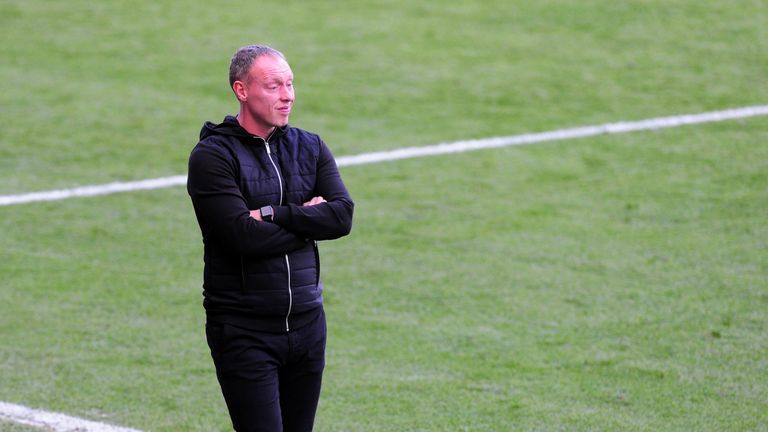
(287, 262)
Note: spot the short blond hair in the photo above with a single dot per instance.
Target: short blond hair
(243, 59)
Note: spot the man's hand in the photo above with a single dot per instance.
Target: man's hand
(314, 201)
(256, 214)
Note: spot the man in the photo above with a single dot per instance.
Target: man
(264, 193)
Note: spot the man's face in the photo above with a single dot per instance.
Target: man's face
(268, 92)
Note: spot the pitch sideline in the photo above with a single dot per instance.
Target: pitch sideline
(64, 423)
(413, 152)
(54, 421)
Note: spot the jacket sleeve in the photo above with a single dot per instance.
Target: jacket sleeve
(329, 220)
(222, 211)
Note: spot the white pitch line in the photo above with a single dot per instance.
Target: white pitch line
(54, 421)
(556, 135)
(86, 191)
(413, 152)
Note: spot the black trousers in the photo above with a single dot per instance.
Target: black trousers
(270, 381)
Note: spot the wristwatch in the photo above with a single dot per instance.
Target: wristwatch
(267, 213)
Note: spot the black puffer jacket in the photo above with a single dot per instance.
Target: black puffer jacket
(263, 275)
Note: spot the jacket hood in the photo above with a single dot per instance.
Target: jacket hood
(231, 127)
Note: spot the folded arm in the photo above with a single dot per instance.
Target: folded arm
(223, 213)
(326, 216)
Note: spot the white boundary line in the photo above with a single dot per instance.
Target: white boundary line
(63, 423)
(54, 421)
(413, 152)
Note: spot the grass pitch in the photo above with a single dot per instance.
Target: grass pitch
(609, 283)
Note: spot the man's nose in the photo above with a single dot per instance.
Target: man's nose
(287, 93)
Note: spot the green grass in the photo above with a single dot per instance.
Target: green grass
(520, 314)
(15, 427)
(609, 283)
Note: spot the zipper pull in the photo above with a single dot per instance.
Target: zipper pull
(266, 144)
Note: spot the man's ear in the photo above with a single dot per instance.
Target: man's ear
(239, 88)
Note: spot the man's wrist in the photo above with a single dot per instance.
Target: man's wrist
(267, 214)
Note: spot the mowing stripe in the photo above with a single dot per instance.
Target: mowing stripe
(53, 421)
(413, 152)
(63, 423)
